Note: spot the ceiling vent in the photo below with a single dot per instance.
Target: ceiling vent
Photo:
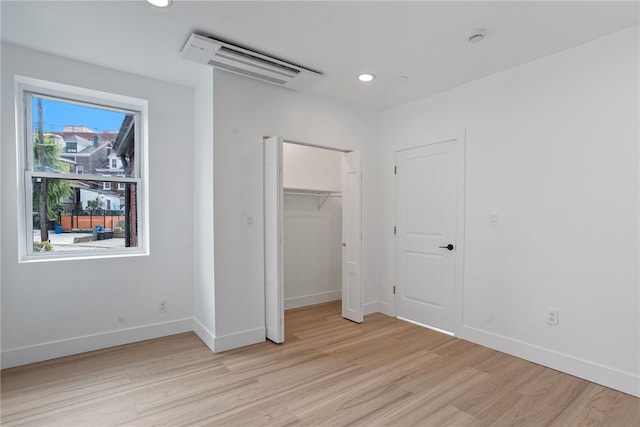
(239, 60)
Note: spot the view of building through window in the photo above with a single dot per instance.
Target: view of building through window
(96, 212)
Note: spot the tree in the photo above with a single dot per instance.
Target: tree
(48, 193)
(96, 204)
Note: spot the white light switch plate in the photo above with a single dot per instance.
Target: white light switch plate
(493, 218)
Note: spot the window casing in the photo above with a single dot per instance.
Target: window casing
(127, 210)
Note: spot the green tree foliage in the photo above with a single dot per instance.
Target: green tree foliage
(57, 189)
(96, 204)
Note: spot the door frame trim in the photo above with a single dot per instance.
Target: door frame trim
(458, 291)
(284, 140)
(308, 144)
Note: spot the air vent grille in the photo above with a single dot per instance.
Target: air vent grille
(245, 72)
(246, 62)
(253, 60)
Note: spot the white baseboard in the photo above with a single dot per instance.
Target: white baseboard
(312, 299)
(53, 349)
(238, 339)
(371, 307)
(204, 334)
(377, 307)
(599, 374)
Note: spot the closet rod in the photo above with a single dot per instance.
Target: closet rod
(320, 194)
(323, 194)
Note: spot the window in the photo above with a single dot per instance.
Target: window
(75, 217)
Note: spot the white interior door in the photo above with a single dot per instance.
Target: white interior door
(352, 237)
(426, 234)
(273, 260)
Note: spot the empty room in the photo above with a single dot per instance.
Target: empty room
(320, 213)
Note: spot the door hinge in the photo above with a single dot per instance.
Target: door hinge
(394, 229)
(395, 170)
(394, 289)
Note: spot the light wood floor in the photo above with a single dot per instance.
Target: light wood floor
(330, 372)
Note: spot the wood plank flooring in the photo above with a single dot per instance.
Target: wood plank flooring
(329, 372)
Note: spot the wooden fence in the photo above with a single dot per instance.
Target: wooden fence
(90, 220)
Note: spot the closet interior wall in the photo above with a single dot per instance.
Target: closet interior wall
(312, 225)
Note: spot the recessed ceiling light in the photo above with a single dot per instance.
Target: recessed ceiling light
(160, 3)
(366, 77)
(401, 79)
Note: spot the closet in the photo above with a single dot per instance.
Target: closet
(312, 230)
(312, 225)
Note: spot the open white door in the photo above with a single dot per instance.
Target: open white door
(273, 273)
(352, 237)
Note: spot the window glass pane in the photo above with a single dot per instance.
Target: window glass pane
(81, 215)
(81, 139)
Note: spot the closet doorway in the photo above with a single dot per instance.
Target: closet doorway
(312, 230)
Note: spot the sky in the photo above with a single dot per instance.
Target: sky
(56, 115)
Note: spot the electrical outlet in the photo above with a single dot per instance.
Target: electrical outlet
(163, 306)
(552, 316)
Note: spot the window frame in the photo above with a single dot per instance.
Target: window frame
(25, 89)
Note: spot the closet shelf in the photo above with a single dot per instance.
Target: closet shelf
(323, 195)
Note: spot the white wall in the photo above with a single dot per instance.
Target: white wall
(311, 168)
(312, 233)
(56, 308)
(553, 146)
(312, 251)
(244, 112)
(204, 291)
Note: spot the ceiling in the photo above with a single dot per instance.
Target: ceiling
(425, 41)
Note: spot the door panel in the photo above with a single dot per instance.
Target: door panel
(417, 266)
(352, 238)
(424, 210)
(273, 260)
(426, 221)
